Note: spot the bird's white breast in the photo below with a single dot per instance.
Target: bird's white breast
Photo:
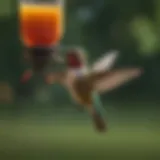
(72, 75)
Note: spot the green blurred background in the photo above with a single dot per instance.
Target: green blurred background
(41, 122)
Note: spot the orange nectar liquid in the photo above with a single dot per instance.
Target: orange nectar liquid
(41, 25)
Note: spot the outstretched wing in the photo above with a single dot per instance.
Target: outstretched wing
(105, 62)
(114, 79)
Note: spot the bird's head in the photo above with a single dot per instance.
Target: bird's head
(76, 58)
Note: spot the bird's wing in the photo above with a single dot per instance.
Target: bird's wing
(116, 78)
(105, 62)
(55, 77)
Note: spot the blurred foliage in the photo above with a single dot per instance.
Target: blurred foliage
(145, 33)
(132, 27)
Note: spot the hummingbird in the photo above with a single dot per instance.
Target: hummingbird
(86, 82)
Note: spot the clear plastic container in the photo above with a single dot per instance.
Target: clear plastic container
(41, 22)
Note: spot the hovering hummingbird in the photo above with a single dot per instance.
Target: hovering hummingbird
(85, 82)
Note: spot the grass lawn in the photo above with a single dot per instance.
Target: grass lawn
(27, 139)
